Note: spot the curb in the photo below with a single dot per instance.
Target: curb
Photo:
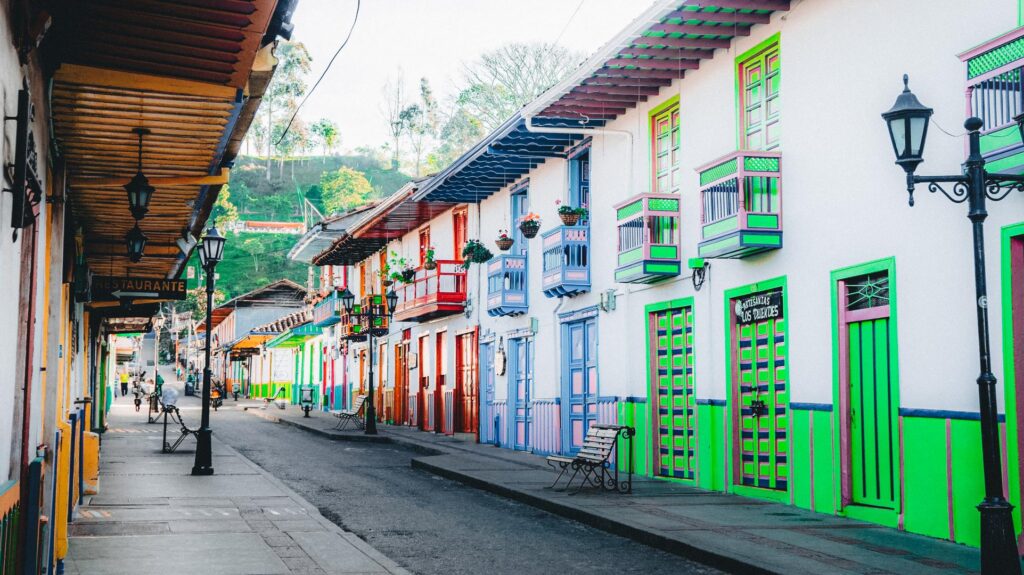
(314, 513)
(674, 546)
(328, 434)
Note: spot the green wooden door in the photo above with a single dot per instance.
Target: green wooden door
(872, 445)
(671, 337)
(763, 418)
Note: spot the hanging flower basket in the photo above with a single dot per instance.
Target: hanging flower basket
(430, 265)
(428, 259)
(475, 252)
(408, 274)
(504, 244)
(570, 219)
(387, 283)
(530, 225)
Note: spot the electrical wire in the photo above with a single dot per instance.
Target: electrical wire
(567, 22)
(344, 42)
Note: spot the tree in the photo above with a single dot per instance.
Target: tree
(504, 80)
(255, 249)
(326, 133)
(224, 212)
(286, 86)
(344, 189)
(421, 123)
(458, 133)
(392, 107)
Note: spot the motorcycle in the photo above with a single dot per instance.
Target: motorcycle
(216, 398)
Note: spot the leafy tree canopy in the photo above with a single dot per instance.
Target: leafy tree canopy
(344, 189)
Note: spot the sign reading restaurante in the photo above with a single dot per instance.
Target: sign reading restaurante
(114, 288)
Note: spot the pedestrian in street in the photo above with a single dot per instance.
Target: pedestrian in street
(124, 383)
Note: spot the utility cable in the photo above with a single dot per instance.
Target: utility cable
(324, 73)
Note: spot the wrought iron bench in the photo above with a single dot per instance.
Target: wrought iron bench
(593, 463)
(352, 415)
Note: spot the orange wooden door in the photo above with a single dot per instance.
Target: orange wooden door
(401, 385)
(421, 395)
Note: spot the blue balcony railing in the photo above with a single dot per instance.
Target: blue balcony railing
(566, 261)
(506, 286)
(328, 311)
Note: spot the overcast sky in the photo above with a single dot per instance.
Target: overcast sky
(431, 38)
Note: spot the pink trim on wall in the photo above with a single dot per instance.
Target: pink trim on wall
(846, 495)
(949, 477)
(993, 43)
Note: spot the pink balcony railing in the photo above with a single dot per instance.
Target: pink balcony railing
(432, 293)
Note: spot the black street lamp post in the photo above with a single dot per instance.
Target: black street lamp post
(370, 313)
(210, 253)
(907, 121)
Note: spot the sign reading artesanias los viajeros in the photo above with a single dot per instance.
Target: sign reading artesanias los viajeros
(758, 307)
(114, 288)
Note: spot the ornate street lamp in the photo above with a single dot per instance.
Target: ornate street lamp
(908, 125)
(210, 253)
(370, 313)
(136, 241)
(139, 190)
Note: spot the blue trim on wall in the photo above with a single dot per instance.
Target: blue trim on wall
(716, 402)
(945, 414)
(810, 406)
(585, 313)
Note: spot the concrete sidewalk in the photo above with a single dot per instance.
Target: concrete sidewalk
(727, 531)
(151, 516)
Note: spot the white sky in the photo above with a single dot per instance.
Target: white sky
(431, 38)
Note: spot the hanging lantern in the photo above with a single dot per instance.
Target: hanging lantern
(139, 190)
(136, 241)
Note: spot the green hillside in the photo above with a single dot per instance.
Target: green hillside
(252, 260)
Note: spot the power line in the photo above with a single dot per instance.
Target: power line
(567, 22)
(311, 90)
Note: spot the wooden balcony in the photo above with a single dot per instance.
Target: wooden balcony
(506, 286)
(995, 93)
(329, 311)
(566, 261)
(355, 327)
(648, 226)
(433, 293)
(741, 205)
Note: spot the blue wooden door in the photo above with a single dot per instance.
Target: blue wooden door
(520, 207)
(488, 427)
(521, 379)
(580, 385)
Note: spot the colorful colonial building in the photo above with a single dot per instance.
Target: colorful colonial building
(747, 287)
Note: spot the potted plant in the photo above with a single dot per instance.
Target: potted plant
(504, 241)
(570, 216)
(401, 269)
(530, 225)
(475, 252)
(384, 273)
(428, 259)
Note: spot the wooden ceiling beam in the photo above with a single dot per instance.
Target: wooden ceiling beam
(721, 17)
(703, 29)
(91, 76)
(669, 53)
(748, 4)
(613, 90)
(625, 81)
(214, 180)
(667, 41)
(651, 64)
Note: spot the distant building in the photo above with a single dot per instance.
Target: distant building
(294, 228)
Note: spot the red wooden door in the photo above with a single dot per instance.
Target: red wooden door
(466, 384)
(401, 385)
(421, 395)
(439, 381)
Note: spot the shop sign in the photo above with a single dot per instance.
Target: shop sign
(764, 306)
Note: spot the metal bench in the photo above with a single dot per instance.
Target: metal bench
(277, 399)
(346, 416)
(593, 463)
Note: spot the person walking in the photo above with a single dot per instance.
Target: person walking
(124, 383)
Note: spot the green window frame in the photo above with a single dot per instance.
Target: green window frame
(759, 76)
(666, 176)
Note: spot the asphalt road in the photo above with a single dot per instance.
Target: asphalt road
(427, 524)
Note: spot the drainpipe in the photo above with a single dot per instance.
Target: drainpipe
(528, 121)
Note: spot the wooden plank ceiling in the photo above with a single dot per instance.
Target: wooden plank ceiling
(176, 67)
(662, 53)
